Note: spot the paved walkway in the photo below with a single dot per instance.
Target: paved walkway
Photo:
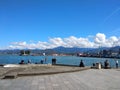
(92, 79)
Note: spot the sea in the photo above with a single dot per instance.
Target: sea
(68, 60)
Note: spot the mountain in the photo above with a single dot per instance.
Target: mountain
(96, 50)
(111, 49)
(115, 49)
(15, 51)
(63, 50)
(71, 50)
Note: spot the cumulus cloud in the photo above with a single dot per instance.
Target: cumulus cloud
(100, 38)
(55, 42)
(18, 45)
(72, 41)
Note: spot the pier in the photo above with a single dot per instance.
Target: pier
(89, 79)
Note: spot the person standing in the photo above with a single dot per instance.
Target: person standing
(41, 62)
(116, 63)
(106, 64)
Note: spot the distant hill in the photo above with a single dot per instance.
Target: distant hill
(112, 49)
(70, 50)
(95, 50)
(115, 49)
(15, 51)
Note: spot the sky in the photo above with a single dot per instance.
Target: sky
(44, 24)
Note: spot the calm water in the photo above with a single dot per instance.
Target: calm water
(70, 60)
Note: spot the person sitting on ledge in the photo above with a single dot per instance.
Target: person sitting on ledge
(93, 64)
(81, 64)
(22, 62)
(29, 61)
(106, 64)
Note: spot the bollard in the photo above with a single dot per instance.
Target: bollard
(98, 66)
(53, 61)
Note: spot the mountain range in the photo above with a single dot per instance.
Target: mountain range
(63, 50)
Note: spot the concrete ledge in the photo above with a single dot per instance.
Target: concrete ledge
(50, 73)
(10, 76)
(33, 70)
(65, 65)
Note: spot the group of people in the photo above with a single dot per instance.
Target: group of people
(23, 62)
(29, 62)
(106, 64)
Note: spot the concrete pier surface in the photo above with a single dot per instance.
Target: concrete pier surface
(91, 79)
(14, 71)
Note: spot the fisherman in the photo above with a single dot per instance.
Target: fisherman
(81, 64)
(29, 61)
(22, 62)
(41, 61)
(106, 64)
(116, 63)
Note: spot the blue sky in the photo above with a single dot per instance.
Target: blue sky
(35, 21)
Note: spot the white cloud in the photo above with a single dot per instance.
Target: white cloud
(77, 42)
(19, 43)
(100, 38)
(72, 41)
(55, 42)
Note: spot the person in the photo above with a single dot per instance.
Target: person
(45, 59)
(101, 64)
(41, 61)
(93, 64)
(53, 61)
(106, 64)
(22, 62)
(116, 63)
(81, 64)
(29, 61)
